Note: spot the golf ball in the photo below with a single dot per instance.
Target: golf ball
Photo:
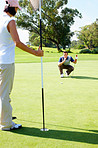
(61, 82)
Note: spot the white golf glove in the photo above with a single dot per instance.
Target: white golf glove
(76, 57)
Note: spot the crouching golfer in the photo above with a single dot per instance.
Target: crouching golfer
(64, 63)
(8, 40)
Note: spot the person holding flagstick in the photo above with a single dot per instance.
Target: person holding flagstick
(36, 4)
(9, 38)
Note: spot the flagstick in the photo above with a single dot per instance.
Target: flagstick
(43, 129)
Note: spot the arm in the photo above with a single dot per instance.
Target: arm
(13, 31)
(75, 60)
(60, 63)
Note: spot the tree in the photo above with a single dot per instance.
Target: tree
(56, 23)
(89, 35)
(74, 44)
(34, 39)
(77, 44)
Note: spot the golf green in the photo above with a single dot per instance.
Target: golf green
(71, 107)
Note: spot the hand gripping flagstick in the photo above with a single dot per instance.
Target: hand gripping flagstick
(37, 4)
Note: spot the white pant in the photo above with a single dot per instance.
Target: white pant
(6, 83)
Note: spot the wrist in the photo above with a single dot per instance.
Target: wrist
(64, 61)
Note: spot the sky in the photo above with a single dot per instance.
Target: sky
(88, 9)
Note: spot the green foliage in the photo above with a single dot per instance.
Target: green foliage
(74, 44)
(48, 43)
(95, 51)
(85, 51)
(80, 46)
(56, 23)
(89, 35)
(34, 39)
(77, 44)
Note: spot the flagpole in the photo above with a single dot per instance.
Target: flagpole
(43, 109)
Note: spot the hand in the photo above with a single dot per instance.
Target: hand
(39, 47)
(40, 53)
(64, 59)
(76, 57)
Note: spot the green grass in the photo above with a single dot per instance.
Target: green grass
(50, 55)
(71, 104)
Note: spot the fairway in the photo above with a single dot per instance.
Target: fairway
(71, 107)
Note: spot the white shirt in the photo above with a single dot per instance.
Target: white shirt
(7, 46)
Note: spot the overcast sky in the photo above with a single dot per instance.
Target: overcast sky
(88, 8)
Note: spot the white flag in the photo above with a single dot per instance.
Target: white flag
(35, 4)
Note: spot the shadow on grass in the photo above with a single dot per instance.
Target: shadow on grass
(59, 126)
(84, 77)
(95, 131)
(75, 136)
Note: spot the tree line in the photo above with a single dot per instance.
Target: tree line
(56, 23)
(88, 36)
